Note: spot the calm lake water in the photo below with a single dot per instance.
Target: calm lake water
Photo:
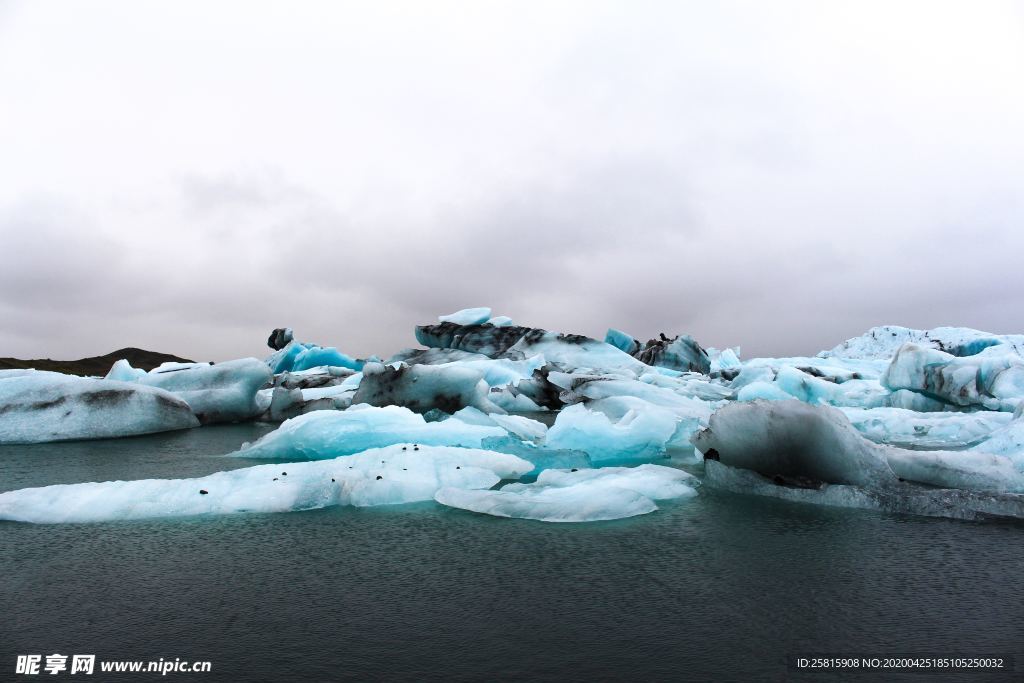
(720, 587)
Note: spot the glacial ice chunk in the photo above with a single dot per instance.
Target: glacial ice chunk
(679, 353)
(225, 392)
(796, 444)
(381, 476)
(424, 387)
(38, 406)
(956, 469)
(793, 440)
(724, 360)
(122, 371)
(297, 356)
(577, 496)
(768, 391)
(323, 435)
(910, 429)
(568, 351)
(883, 342)
(614, 430)
(900, 498)
(467, 316)
(522, 427)
(991, 378)
(621, 341)
(862, 393)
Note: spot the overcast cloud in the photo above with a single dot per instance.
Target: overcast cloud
(185, 176)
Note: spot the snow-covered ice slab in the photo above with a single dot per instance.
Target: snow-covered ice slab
(327, 434)
(37, 406)
(383, 476)
(578, 496)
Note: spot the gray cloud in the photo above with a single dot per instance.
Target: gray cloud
(779, 177)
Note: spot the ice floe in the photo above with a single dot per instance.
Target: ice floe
(577, 495)
(38, 406)
(382, 476)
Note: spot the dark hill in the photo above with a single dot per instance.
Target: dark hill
(97, 365)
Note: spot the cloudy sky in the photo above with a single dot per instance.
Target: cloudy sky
(186, 176)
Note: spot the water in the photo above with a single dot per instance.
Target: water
(720, 587)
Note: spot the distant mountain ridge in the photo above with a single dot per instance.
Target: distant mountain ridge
(96, 365)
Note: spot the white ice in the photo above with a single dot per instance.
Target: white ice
(614, 430)
(578, 496)
(37, 406)
(518, 425)
(910, 429)
(327, 434)
(881, 343)
(993, 378)
(467, 316)
(381, 476)
(225, 392)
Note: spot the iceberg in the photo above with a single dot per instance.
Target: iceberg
(467, 316)
(522, 427)
(424, 387)
(900, 498)
(799, 445)
(616, 430)
(38, 406)
(383, 476)
(225, 392)
(568, 351)
(122, 371)
(910, 429)
(882, 343)
(956, 469)
(992, 378)
(577, 496)
(727, 360)
(622, 341)
(759, 390)
(861, 393)
(793, 441)
(323, 435)
(681, 353)
(1007, 441)
(297, 356)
